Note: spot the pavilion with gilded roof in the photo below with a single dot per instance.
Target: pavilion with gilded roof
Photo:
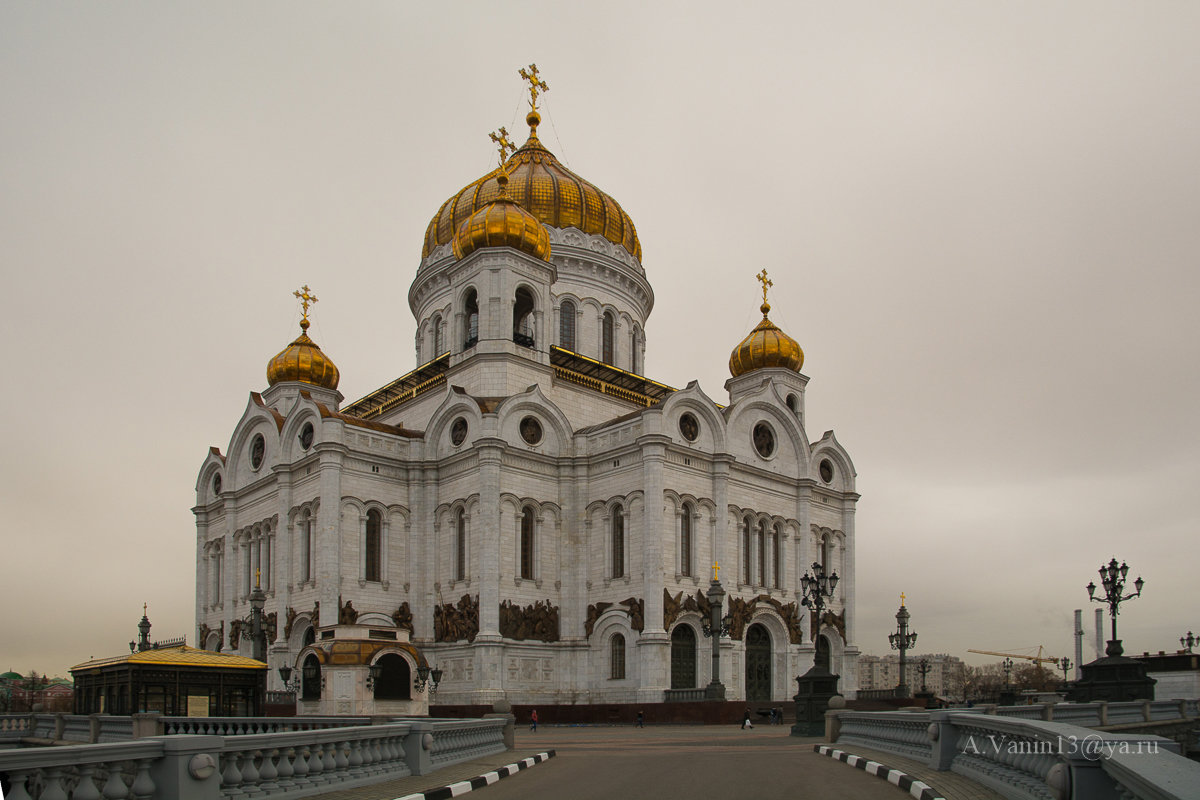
(525, 515)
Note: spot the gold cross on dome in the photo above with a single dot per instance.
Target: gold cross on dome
(306, 299)
(902, 598)
(503, 143)
(762, 277)
(536, 84)
(716, 570)
(257, 578)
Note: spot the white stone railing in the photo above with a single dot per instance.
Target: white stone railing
(1037, 759)
(462, 740)
(283, 765)
(242, 726)
(901, 732)
(13, 726)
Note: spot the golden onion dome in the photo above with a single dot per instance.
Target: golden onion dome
(303, 361)
(766, 346)
(502, 223)
(544, 188)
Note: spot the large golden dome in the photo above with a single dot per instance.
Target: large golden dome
(303, 361)
(502, 223)
(766, 346)
(547, 190)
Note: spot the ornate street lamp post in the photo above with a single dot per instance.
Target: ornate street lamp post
(1065, 665)
(903, 641)
(258, 636)
(1008, 667)
(1189, 642)
(1112, 580)
(815, 688)
(924, 668)
(714, 628)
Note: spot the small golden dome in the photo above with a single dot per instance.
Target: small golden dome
(502, 223)
(766, 346)
(302, 360)
(544, 188)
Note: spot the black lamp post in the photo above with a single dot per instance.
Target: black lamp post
(714, 628)
(258, 599)
(1189, 642)
(1065, 665)
(1008, 668)
(924, 668)
(289, 684)
(427, 677)
(1112, 580)
(903, 641)
(816, 587)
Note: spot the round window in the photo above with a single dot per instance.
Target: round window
(764, 439)
(689, 427)
(531, 430)
(306, 435)
(217, 483)
(458, 431)
(827, 470)
(258, 451)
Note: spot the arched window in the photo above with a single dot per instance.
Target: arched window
(635, 364)
(824, 546)
(373, 546)
(471, 320)
(527, 543)
(617, 657)
(306, 546)
(685, 540)
(746, 551)
(776, 552)
(395, 678)
(523, 318)
(762, 553)
(310, 679)
(618, 542)
(607, 327)
(566, 325)
(437, 337)
(460, 545)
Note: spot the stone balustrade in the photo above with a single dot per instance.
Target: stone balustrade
(281, 764)
(1055, 753)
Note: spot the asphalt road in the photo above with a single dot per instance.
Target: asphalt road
(685, 762)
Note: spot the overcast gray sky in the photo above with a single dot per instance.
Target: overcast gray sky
(981, 220)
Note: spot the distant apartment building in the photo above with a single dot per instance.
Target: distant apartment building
(883, 672)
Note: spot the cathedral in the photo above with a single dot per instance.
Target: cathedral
(525, 515)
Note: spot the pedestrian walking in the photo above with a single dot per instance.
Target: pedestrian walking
(533, 720)
(746, 723)
(641, 719)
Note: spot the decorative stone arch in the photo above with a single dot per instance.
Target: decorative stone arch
(711, 436)
(256, 419)
(541, 511)
(214, 465)
(791, 455)
(576, 320)
(395, 685)
(446, 519)
(304, 412)
(302, 624)
(377, 619)
(557, 434)
(303, 542)
(612, 622)
(212, 642)
(464, 329)
(844, 474)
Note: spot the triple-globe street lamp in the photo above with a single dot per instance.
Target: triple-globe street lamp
(903, 641)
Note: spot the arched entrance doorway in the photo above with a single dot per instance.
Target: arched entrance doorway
(683, 657)
(821, 659)
(758, 664)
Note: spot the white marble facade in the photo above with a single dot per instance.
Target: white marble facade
(442, 488)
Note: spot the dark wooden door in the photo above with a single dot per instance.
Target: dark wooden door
(758, 664)
(683, 658)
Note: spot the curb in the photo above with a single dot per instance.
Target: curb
(486, 779)
(918, 789)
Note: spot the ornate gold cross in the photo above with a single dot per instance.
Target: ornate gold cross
(902, 598)
(503, 143)
(716, 570)
(762, 277)
(257, 578)
(306, 299)
(536, 84)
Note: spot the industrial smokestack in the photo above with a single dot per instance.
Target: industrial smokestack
(1078, 640)
(1099, 632)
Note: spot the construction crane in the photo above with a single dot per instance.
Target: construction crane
(1039, 659)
